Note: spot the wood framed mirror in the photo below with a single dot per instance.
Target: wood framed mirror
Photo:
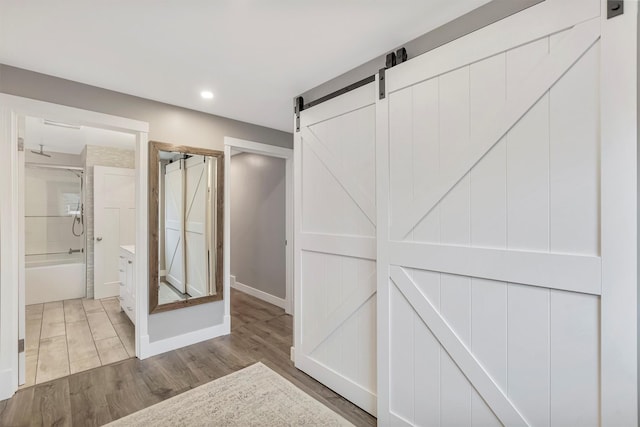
(186, 206)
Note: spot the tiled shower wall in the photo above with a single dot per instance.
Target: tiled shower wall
(99, 156)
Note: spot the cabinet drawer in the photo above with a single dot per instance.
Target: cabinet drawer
(129, 307)
(122, 270)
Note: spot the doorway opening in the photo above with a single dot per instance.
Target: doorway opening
(77, 187)
(258, 231)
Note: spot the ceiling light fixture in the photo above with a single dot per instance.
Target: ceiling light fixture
(206, 94)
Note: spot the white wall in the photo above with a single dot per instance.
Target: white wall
(258, 222)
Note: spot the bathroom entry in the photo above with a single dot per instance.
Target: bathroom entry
(259, 222)
(73, 181)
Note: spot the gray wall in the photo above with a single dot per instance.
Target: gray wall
(167, 123)
(465, 24)
(98, 156)
(258, 222)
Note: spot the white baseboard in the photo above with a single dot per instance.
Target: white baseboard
(6, 384)
(22, 361)
(227, 324)
(148, 349)
(271, 299)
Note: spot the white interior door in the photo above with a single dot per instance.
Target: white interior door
(196, 211)
(335, 246)
(173, 225)
(114, 224)
(489, 267)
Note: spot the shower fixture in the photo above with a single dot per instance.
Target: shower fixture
(76, 172)
(78, 218)
(41, 152)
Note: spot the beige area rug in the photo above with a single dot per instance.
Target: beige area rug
(253, 396)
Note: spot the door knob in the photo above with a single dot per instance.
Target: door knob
(99, 239)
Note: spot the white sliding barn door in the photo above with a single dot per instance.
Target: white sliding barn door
(335, 268)
(489, 285)
(195, 227)
(174, 193)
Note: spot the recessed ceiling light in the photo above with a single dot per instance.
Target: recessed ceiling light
(206, 94)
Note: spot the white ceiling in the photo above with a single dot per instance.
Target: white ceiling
(72, 141)
(255, 55)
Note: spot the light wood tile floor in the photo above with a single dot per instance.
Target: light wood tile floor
(66, 337)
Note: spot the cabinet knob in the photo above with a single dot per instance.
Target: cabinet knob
(99, 239)
(129, 261)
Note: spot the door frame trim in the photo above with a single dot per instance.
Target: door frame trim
(244, 146)
(11, 267)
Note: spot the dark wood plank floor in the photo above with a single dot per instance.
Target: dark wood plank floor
(259, 332)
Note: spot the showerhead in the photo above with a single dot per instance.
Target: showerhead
(41, 152)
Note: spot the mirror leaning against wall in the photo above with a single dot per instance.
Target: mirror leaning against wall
(186, 205)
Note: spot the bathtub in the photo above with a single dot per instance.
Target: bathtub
(54, 278)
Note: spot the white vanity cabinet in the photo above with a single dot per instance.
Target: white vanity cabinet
(128, 281)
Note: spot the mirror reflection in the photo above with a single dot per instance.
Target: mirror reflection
(188, 233)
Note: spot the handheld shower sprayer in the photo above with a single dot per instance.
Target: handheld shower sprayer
(78, 218)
